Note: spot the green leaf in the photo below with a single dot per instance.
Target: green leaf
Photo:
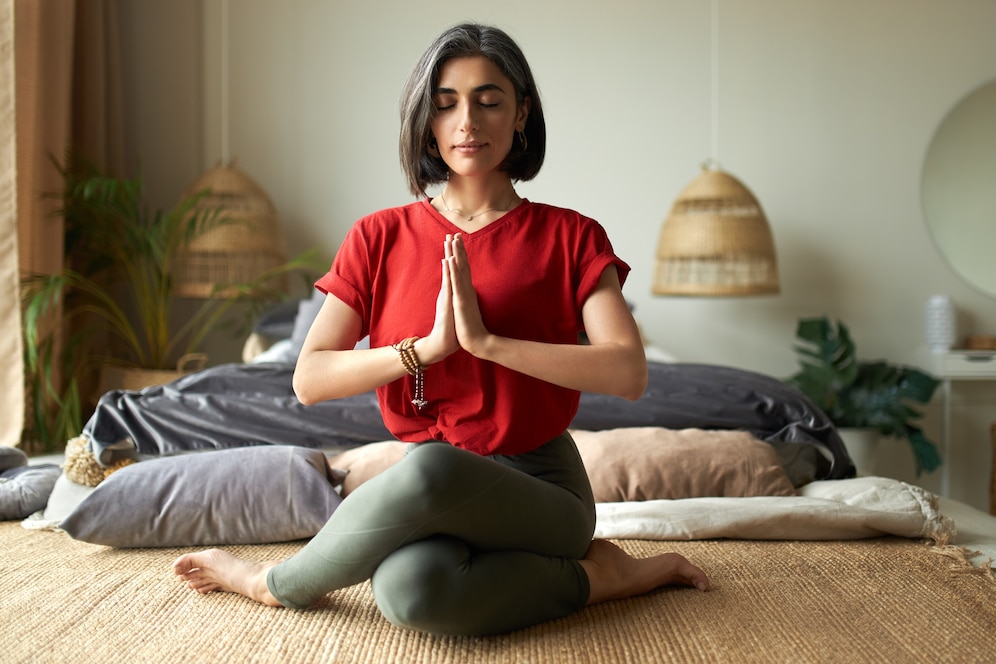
(862, 394)
(120, 257)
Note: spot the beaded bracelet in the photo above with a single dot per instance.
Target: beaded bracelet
(409, 360)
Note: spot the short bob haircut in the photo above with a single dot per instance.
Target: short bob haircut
(417, 109)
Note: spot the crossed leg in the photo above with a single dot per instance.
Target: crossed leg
(612, 573)
(504, 517)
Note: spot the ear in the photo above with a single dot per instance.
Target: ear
(523, 114)
(432, 148)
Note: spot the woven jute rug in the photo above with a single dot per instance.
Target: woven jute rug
(881, 600)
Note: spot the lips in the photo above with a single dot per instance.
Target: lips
(469, 146)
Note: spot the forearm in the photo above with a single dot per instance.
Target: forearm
(321, 375)
(609, 368)
(330, 367)
(614, 363)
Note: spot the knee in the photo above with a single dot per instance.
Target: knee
(428, 467)
(414, 588)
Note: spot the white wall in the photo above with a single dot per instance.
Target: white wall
(826, 110)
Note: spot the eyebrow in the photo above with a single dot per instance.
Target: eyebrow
(481, 88)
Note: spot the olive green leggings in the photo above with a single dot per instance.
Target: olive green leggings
(457, 543)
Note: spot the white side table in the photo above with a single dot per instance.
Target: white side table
(950, 366)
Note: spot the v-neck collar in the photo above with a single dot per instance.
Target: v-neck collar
(453, 228)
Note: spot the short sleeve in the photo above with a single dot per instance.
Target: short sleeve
(351, 276)
(596, 254)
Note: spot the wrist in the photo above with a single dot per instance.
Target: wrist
(408, 356)
(414, 367)
(423, 348)
(423, 352)
(484, 348)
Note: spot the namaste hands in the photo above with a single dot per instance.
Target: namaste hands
(458, 322)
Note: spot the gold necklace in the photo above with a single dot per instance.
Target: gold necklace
(470, 217)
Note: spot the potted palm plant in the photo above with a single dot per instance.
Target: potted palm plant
(859, 396)
(115, 300)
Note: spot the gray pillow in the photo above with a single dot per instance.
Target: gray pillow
(24, 490)
(245, 495)
(307, 312)
(11, 457)
(287, 349)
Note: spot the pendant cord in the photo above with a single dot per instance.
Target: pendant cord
(714, 79)
(224, 82)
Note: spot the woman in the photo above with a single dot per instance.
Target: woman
(473, 301)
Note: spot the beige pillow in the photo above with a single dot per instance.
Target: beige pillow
(366, 461)
(641, 463)
(647, 463)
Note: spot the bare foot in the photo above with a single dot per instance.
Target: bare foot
(614, 574)
(215, 570)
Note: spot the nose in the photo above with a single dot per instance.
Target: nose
(468, 117)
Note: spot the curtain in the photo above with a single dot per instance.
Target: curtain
(68, 95)
(43, 42)
(11, 374)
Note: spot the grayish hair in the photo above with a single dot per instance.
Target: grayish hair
(417, 109)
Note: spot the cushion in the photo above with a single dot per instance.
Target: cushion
(306, 314)
(245, 495)
(11, 457)
(66, 497)
(712, 397)
(366, 461)
(648, 463)
(640, 463)
(277, 320)
(24, 490)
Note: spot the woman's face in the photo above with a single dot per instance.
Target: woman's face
(476, 116)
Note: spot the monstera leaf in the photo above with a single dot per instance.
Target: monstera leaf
(859, 394)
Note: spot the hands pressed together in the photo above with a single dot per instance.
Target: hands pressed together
(458, 322)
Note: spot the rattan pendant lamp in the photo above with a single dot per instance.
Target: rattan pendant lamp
(236, 252)
(253, 243)
(716, 240)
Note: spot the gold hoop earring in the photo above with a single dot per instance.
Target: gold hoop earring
(432, 148)
(522, 139)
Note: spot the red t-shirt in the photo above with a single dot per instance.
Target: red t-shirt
(533, 269)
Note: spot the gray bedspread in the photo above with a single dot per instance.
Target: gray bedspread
(236, 405)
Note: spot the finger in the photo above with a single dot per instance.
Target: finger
(459, 276)
(459, 250)
(447, 279)
(461, 261)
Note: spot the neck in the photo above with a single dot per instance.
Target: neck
(470, 202)
(471, 195)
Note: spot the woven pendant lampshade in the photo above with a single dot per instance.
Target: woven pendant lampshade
(234, 252)
(716, 241)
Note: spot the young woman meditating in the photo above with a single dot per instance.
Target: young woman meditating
(473, 301)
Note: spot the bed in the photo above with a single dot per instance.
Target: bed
(733, 469)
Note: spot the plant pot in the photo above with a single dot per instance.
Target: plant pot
(120, 378)
(862, 446)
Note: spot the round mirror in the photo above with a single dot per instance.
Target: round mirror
(959, 188)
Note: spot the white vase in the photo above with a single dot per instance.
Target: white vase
(940, 324)
(862, 447)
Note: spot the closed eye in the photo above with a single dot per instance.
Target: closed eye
(487, 96)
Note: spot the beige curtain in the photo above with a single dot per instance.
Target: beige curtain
(11, 374)
(44, 48)
(68, 95)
